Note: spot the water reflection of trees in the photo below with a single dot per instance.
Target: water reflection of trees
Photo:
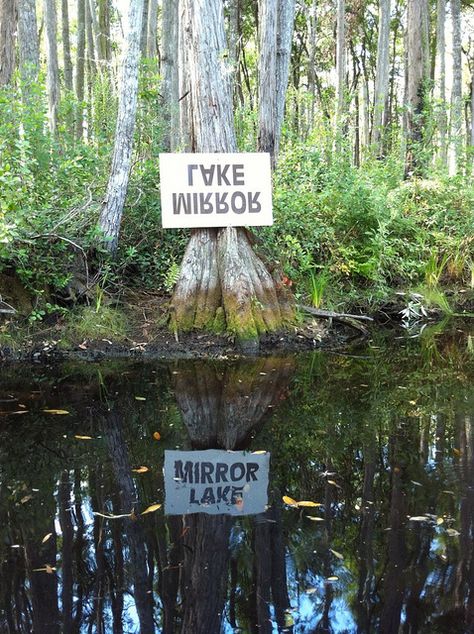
(398, 440)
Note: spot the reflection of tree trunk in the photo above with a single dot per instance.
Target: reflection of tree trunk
(67, 552)
(113, 425)
(206, 558)
(393, 587)
(222, 404)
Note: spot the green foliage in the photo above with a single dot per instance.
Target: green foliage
(96, 322)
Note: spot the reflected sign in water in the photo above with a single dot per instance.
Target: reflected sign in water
(216, 482)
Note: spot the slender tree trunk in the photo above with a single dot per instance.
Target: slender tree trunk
(105, 47)
(456, 91)
(340, 65)
(66, 45)
(28, 43)
(90, 43)
(285, 23)
(52, 76)
(416, 69)
(80, 65)
(112, 208)
(381, 76)
(95, 28)
(222, 281)
(267, 71)
(312, 77)
(152, 49)
(8, 19)
(440, 80)
(170, 21)
(144, 33)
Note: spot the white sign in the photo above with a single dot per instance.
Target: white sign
(216, 482)
(215, 190)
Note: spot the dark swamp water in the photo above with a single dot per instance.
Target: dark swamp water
(381, 439)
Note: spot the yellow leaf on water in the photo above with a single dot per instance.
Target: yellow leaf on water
(260, 451)
(315, 519)
(55, 411)
(332, 578)
(308, 503)
(140, 398)
(109, 516)
(335, 484)
(157, 435)
(289, 501)
(46, 537)
(452, 532)
(25, 499)
(456, 452)
(141, 470)
(336, 554)
(49, 569)
(79, 437)
(419, 518)
(440, 521)
(152, 508)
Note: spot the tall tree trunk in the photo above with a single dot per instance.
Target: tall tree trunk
(381, 76)
(80, 65)
(144, 33)
(416, 75)
(170, 21)
(340, 65)
(152, 49)
(8, 18)
(440, 80)
(95, 28)
(285, 23)
(66, 45)
(312, 77)
(221, 279)
(456, 136)
(105, 45)
(52, 76)
(267, 71)
(28, 43)
(112, 208)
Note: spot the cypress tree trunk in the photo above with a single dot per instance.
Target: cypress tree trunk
(28, 42)
(285, 22)
(66, 45)
(112, 208)
(105, 48)
(267, 70)
(7, 40)
(381, 76)
(456, 91)
(152, 50)
(169, 71)
(416, 74)
(80, 65)
(222, 281)
(440, 80)
(144, 34)
(52, 76)
(340, 64)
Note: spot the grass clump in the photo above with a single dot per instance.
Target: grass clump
(89, 322)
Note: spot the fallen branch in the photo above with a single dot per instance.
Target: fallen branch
(344, 318)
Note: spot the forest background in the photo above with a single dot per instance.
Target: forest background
(373, 187)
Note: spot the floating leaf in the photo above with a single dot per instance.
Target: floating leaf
(452, 532)
(140, 398)
(152, 508)
(289, 501)
(418, 484)
(47, 568)
(25, 499)
(335, 484)
(311, 590)
(448, 492)
(260, 451)
(315, 519)
(332, 578)
(336, 554)
(109, 516)
(141, 469)
(46, 537)
(56, 411)
(419, 518)
(440, 521)
(79, 437)
(308, 503)
(456, 452)
(157, 435)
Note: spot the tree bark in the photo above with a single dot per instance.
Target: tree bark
(144, 33)
(112, 208)
(8, 19)
(80, 65)
(340, 65)
(28, 43)
(169, 71)
(285, 23)
(267, 70)
(52, 75)
(105, 47)
(66, 45)
(440, 81)
(222, 284)
(152, 49)
(417, 72)
(381, 76)
(456, 91)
